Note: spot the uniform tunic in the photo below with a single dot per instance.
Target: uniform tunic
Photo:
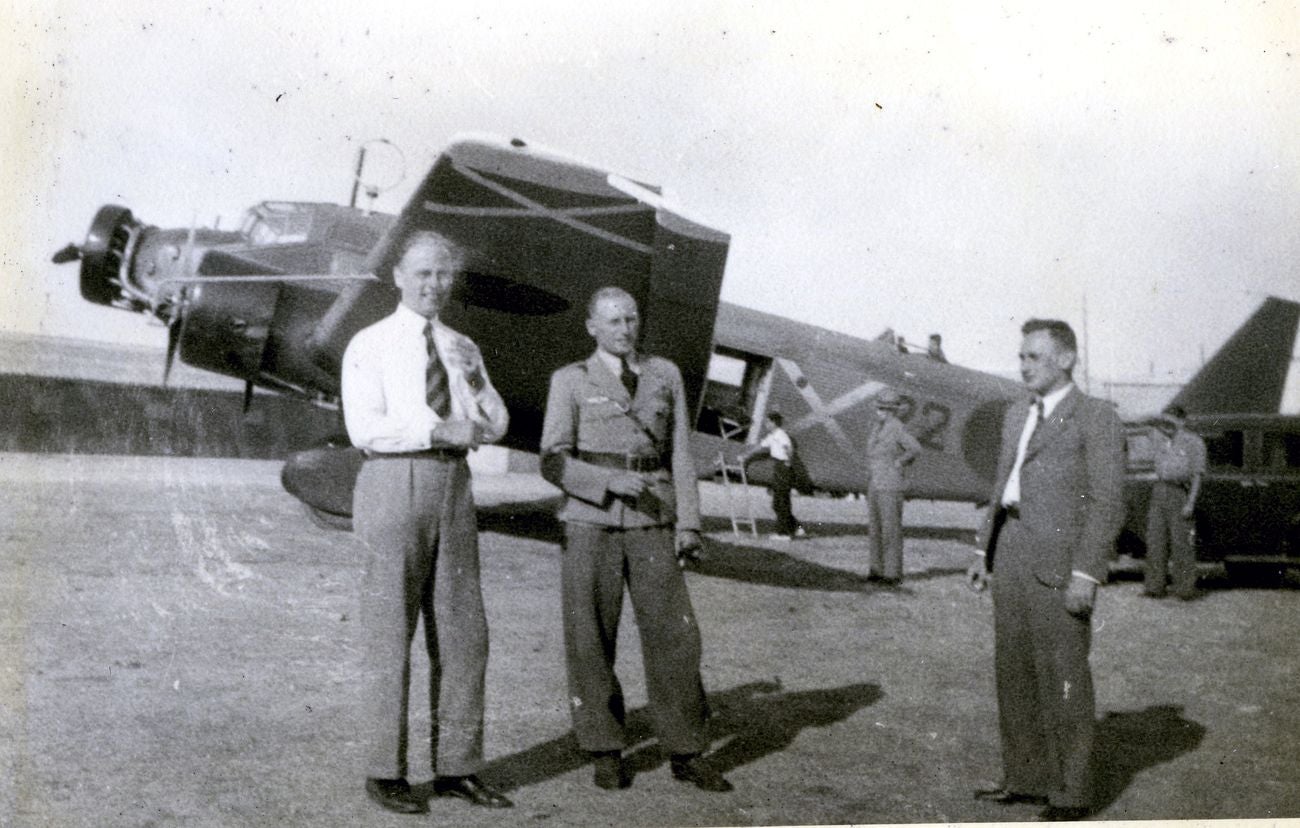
(610, 540)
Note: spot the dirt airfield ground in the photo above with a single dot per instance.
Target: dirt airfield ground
(179, 648)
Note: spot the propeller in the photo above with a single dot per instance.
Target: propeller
(176, 325)
(71, 253)
(173, 345)
(248, 395)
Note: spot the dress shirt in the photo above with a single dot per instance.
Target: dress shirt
(383, 385)
(1011, 493)
(778, 444)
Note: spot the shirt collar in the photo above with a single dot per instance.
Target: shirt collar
(615, 364)
(1053, 399)
(411, 320)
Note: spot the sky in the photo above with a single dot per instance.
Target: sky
(1131, 167)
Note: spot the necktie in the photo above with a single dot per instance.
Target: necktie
(628, 377)
(1038, 410)
(437, 392)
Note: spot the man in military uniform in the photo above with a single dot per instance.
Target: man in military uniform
(616, 441)
(1179, 464)
(890, 449)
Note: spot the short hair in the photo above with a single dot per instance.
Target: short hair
(1059, 331)
(776, 418)
(446, 247)
(607, 292)
(1177, 412)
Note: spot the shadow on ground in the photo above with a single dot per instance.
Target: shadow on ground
(756, 720)
(770, 567)
(1130, 742)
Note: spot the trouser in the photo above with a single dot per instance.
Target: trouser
(885, 512)
(782, 483)
(1169, 541)
(1046, 707)
(416, 520)
(597, 560)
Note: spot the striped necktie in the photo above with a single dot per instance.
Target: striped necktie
(437, 392)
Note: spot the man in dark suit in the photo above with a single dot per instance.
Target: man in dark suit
(1054, 514)
(616, 441)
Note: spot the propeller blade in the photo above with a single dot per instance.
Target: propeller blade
(68, 254)
(173, 344)
(248, 395)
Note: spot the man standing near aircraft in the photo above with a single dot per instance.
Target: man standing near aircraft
(890, 449)
(1055, 512)
(778, 445)
(1179, 465)
(416, 397)
(616, 442)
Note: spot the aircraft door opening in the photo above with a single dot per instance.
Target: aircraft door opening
(736, 391)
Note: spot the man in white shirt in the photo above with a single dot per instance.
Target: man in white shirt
(776, 443)
(1056, 509)
(416, 399)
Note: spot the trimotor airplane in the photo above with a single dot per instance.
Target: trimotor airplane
(275, 302)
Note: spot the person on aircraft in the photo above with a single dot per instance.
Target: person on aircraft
(890, 449)
(1179, 465)
(416, 398)
(616, 441)
(935, 349)
(776, 443)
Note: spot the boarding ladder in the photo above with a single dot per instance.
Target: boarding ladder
(733, 474)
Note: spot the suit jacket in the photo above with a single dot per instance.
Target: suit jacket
(1071, 488)
(588, 409)
(889, 448)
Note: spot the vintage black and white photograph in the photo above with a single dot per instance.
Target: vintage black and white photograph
(649, 414)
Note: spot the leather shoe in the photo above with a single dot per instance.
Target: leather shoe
(1002, 796)
(610, 774)
(1063, 813)
(691, 768)
(395, 795)
(472, 789)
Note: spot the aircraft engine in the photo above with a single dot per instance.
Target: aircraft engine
(128, 264)
(106, 253)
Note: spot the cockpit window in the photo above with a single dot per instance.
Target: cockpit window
(277, 222)
(1281, 450)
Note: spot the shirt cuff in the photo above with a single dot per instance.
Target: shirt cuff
(1085, 576)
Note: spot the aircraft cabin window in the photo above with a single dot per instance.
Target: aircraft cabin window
(1226, 450)
(731, 391)
(277, 222)
(1281, 450)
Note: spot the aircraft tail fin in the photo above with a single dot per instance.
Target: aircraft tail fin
(1249, 373)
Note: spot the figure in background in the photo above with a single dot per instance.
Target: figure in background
(776, 443)
(890, 449)
(1171, 516)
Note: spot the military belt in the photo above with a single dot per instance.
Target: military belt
(626, 462)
